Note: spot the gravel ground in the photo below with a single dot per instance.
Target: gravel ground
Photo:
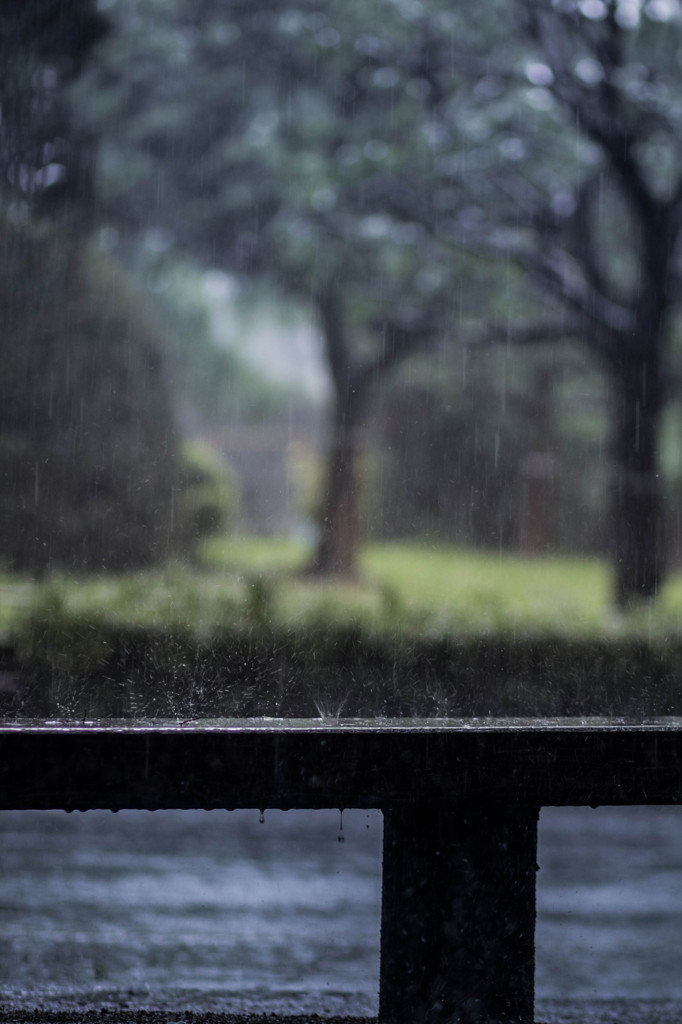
(611, 1011)
(164, 1017)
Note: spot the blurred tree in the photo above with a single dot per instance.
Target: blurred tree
(614, 261)
(559, 155)
(90, 480)
(87, 443)
(248, 132)
(46, 163)
(352, 154)
(210, 494)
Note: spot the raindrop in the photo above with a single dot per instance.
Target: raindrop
(261, 816)
(341, 838)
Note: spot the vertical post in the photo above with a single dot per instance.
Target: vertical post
(458, 915)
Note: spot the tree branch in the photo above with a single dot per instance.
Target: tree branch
(491, 333)
(601, 317)
(585, 242)
(336, 346)
(399, 340)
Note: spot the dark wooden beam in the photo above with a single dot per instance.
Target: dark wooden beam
(347, 764)
(460, 802)
(458, 914)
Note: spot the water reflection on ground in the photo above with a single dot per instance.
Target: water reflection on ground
(206, 903)
(174, 907)
(610, 903)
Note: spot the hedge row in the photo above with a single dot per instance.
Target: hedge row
(91, 669)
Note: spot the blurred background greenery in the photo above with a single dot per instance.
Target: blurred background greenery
(330, 311)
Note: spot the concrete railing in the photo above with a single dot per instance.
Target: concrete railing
(460, 801)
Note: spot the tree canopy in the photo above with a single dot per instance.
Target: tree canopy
(560, 156)
(253, 132)
(47, 163)
(508, 174)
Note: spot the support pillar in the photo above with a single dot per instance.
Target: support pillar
(458, 915)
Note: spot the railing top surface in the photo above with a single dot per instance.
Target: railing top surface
(346, 763)
(384, 726)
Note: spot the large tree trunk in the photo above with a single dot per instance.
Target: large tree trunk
(336, 549)
(353, 377)
(636, 505)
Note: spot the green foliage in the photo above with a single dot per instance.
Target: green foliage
(277, 132)
(409, 590)
(333, 669)
(45, 162)
(259, 601)
(412, 170)
(253, 554)
(67, 643)
(209, 498)
(87, 443)
(433, 631)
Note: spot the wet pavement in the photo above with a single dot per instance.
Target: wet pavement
(217, 913)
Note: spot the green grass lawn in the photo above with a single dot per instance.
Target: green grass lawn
(406, 588)
(437, 587)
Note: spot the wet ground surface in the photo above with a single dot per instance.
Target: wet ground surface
(578, 1012)
(145, 917)
(184, 909)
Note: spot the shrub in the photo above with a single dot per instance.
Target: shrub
(209, 502)
(87, 442)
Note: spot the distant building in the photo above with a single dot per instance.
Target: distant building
(264, 459)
